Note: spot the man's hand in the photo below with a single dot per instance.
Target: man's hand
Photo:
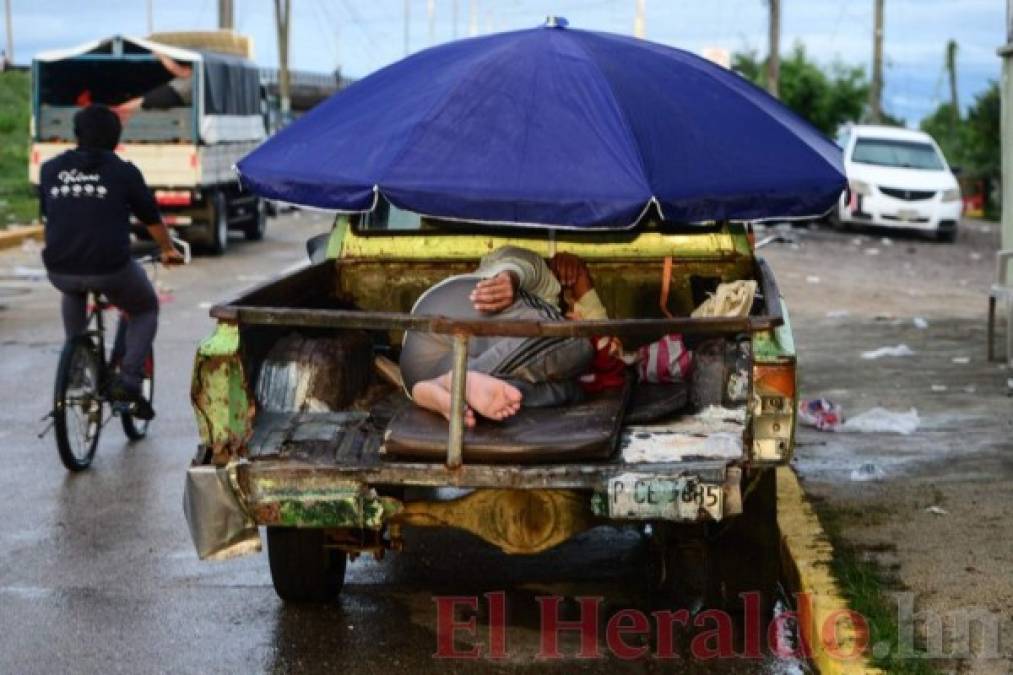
(495, 293)
(171, 256)
(572, 274)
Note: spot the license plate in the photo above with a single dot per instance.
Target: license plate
(908, 215)
(636, 496)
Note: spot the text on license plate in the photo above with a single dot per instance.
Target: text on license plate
(643, 496)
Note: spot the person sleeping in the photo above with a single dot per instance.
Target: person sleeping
(505, 373)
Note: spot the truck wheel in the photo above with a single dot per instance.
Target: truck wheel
(218, 228)
(681, 567)
(255, 229)
(303, 569)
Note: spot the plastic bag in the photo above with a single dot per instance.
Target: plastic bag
(820, 413)
(883, 421)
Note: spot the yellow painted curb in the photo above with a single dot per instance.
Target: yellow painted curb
(825, 620)
(12, 237)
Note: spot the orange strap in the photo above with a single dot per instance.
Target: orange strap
(666, 282)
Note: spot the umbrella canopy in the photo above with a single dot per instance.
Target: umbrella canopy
(553, 127)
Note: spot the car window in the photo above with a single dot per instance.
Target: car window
(888, 152)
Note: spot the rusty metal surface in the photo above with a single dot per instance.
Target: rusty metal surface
(516, 521)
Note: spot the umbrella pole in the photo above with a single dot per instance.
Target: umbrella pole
(458, 382)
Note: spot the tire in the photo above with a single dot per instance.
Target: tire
(681, 567)
(134, 428)
(218, 227)
(947, 236)
(303, 569)
(255, 229)
(77, 403)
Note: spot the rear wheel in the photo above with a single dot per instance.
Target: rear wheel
(218, 227)
(256, 228)
(77, 404)
(303, 567)
(134, 428)
(947, 236)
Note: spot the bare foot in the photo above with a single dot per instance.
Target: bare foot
(489, 396)
(432, 395)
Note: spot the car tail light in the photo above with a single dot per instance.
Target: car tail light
(35, 156)
(773, 411)
(194, 160)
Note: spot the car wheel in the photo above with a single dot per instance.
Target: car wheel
(947, 236)
(303, 568)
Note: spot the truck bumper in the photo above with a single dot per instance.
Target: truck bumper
(219, 524)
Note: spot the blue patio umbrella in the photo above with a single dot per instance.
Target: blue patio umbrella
(553, 127)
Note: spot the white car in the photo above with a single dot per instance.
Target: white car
(898, 178)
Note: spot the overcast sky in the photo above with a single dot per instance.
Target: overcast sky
(361, 35)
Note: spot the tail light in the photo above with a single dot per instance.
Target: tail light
(173, 197)
(773, 411)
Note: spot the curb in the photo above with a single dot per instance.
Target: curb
(806, 556)
(14, 236)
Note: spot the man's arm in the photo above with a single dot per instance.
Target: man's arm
(145, 209)
(509, 269)
(175, 69)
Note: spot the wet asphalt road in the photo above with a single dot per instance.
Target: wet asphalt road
(97, 573)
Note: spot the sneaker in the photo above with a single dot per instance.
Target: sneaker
(139, 407)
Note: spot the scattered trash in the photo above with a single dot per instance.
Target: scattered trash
(970, 389)
(899, 350)
(939, 387)
(882, 421)
(937, 511)
(812, 279)
(205, 305)
(867, 472)
(975, 255)
(962, 360)
(1009, 385)
(29, 273)
(886, 241)
(920, 323)
(820, 413)
(872, 251)
(837, 313)
(857, 241)
(795, 247)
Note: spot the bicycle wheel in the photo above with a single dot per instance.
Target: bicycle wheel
(77, 403)
(134, 428)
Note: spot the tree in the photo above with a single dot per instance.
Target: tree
(826, 97)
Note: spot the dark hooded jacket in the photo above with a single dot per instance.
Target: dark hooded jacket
(86, 197)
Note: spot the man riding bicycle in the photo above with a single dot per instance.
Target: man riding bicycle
(86, 196)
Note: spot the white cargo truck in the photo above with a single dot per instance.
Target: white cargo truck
(185, 152)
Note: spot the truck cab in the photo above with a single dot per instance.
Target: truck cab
(305, 432)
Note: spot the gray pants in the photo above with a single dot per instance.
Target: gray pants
(128, 289)
(544, 369)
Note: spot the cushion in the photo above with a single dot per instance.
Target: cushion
(588, 430)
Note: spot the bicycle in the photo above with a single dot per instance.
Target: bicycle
(83, 377)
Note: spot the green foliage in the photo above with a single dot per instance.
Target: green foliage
(17, 197)
(973, 142)
(827, 97)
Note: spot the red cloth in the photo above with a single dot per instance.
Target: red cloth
(607, 370)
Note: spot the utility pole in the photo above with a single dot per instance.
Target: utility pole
(774, 49)
(10, 31)
(1006, 129)
(640, 20)
(472, 18)
(226, 15)
(151, 17)
(282, 15)
(431, 15)
(951, 66)
(407, 26)
(876, 88)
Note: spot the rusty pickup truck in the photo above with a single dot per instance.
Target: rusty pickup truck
(297, 422)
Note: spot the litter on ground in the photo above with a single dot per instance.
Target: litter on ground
(920, 323)
(937, 511)
(898, 350)
(882, 421)
(820, 413)
(872, 251)
(962, 360)
(939, 387)
(812, 279)
(837, 313)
